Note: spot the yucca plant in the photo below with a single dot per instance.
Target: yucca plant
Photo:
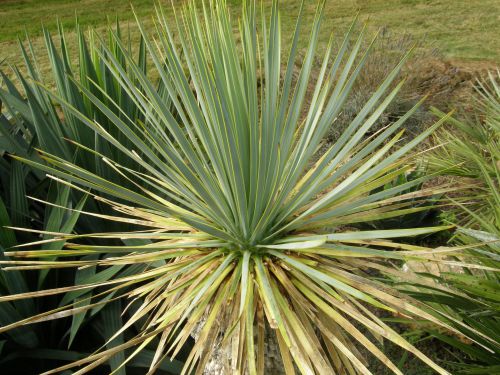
(30, 119)
(30, 349)
(471, 151)
(420, 210)
(385, 53)
(476, 299)
(484, 315)
(240, 237)
(38, 122)
(17, 181)
(31, 342)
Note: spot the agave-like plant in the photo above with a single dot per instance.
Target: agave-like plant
(419, 212)
(240, 234)
(30, 119)
(39, 122)
(472, 151)
(479, 305)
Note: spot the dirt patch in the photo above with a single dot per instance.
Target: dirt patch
(448, 83)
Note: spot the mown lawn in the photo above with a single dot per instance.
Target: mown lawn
(464, 30)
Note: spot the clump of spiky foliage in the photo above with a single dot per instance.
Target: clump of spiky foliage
(419, 210)
(38, 122)
(238, 235)
(472, 151)
(386, 52)
(29, 119)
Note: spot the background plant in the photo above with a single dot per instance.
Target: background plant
(415, 211)
(387, 51)
(30, 120)
(470, 152)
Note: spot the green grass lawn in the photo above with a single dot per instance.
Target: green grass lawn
(464, 30)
